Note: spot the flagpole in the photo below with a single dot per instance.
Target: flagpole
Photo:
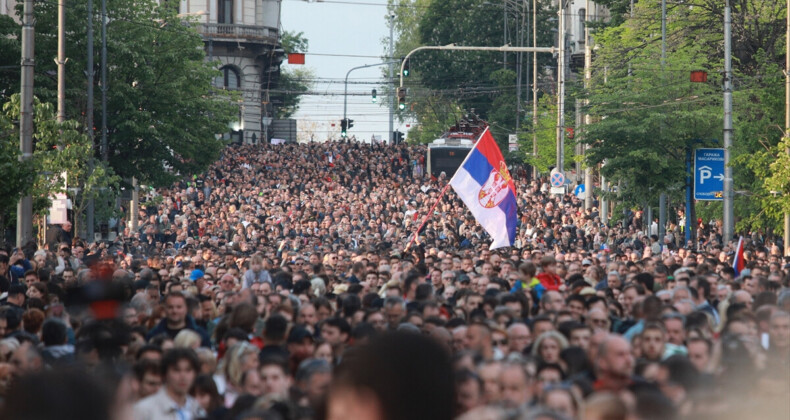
(427, 216)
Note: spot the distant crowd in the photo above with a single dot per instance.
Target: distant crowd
(290, 282)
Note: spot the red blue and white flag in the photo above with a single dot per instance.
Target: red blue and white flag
(484, 184)
(738, 264)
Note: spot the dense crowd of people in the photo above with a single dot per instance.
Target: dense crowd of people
(289, 282)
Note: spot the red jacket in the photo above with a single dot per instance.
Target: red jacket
(550, 281)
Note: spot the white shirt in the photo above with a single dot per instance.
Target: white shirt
(160, 406)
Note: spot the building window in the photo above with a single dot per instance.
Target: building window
(229, 79)
(582, 18)
(225, 11)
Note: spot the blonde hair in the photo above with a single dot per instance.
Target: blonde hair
(233, 362)
(187, 339)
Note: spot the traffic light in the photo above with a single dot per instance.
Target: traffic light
(343, 127)
(401, 98)
(349, 123)
(373, 94)
(397, 137)
(405, 67)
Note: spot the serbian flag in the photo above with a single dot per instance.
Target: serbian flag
(485, 186)
(738, 264)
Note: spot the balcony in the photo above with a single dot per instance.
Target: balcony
(250, 34)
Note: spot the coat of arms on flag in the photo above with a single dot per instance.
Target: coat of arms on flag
(484, 184)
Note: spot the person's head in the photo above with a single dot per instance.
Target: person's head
(378, 382)
(700, 350)
(551, 301)
(548, 345)
(274, 374)
(335, 331)
(674, 324)
(653, 341)
(779, 332)
(148, 376)
(312, 378)
(176, 309)
(518, 337)
(469, 390)
(515, 383)
(179, 367)
(394, 310)
(580, 335)
(614, 358)
(54, 332)
(478, 338)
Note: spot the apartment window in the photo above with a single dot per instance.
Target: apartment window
(229, 79)
(225, 11)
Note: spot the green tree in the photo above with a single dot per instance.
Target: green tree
(646, 117)
(163, 116)
(18, 176)
(294, 81)
(464, 81)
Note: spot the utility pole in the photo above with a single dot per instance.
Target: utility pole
(389, 84)
(24, 218)
(561, 89)
(89, 116)
(104, 146)
(61, 62)
(728, 219)
(787, 118)
(135, 205)
(535, 87)
(662, 199)
(588, 187)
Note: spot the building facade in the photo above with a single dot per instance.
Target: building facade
(244, 37)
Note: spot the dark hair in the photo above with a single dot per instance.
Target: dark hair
(276, 327)
(146, 348)
(576, 360)
(339, 323)
(146, 366)
(386, 367)
(67, 394)
(646, 280)
(205, 384)
(53, 332)
(172, 357)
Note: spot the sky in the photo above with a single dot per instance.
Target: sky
(342, 34)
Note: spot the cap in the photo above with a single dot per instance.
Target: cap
(587, 291)
(196, 274)
(586, 262)
(299, 333)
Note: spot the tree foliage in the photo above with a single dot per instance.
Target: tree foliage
(293, 81)
(646, 117)
(458, 81)
(163, 116)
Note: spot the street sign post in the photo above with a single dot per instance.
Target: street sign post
(557, 178)
(580, 192)
(709, 174)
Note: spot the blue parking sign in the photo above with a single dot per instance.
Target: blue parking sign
(709, 174)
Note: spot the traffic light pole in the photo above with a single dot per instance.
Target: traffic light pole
(453, 47)
(345, 90)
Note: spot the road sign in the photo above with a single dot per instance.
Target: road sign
(557, 178)
(512, 142)
(579, 191)
(558, 190)
(709, 174)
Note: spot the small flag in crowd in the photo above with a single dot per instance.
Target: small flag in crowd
(484, 184)
(738, 264)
